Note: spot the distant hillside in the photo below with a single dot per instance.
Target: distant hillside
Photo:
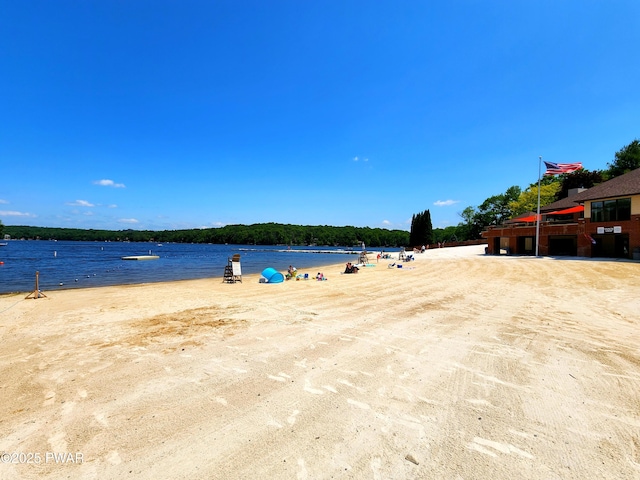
(258, 234)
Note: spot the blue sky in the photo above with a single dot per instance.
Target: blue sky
(166, 114)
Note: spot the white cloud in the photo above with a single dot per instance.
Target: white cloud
(109, 183)
(445, 203)
(3, 201)
(128, 220)
(386, 222)
(113, 205)
(11, 213)
(355, 159)
(81, 203)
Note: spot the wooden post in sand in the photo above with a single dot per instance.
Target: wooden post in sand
(36, 293)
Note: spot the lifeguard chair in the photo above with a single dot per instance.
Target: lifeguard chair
(233, 270)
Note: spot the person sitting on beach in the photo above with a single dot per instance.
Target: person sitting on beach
(291, 272)
(351, 268)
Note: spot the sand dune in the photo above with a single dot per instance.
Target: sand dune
(459, 365)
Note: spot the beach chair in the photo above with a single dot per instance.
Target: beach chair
(402, 256)
(363, 259)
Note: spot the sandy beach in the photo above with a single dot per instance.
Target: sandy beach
(456, 366)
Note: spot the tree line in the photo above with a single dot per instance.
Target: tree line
(256, 234)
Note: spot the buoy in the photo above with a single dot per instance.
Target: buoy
(1, 263)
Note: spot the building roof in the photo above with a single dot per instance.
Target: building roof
(627, 184)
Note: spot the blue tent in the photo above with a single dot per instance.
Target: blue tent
(272, 275)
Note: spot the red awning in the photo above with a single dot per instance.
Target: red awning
(567, 211)
(531, 218)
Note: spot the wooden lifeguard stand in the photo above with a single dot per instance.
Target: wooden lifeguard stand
(36, 293)
(233, 270)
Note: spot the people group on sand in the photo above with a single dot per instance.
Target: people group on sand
(351, 268)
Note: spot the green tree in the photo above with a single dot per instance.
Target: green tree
(421, 229)
(626, 159)
(527, 201)
(471, 227)
(579, 179)
(496, 209)
(1, 229)
(452, 233)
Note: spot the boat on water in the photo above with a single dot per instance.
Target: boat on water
(3, 244)
(141, 257)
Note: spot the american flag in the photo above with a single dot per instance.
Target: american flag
(558, 168)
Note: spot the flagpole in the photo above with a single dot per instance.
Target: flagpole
(538, 212)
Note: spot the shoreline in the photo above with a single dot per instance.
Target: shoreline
(73, 265)
(248, 276)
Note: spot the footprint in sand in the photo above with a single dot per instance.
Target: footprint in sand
(49, 398)
(67, 408)
(302, 474)
(375, 465)
(308, 388)
(101, 419)
(58, 442)
(478, 445)
(292, 417)
(113, 457)
(361, 405)
(273, 423)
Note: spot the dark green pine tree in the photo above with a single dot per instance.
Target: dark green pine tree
(421, 229)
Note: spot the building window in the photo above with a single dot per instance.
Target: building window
(611, 210)
(596, 212)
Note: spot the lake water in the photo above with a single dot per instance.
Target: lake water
(91, 264)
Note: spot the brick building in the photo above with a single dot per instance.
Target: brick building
(603, 221)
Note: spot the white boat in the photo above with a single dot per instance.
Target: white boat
(141, 257)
